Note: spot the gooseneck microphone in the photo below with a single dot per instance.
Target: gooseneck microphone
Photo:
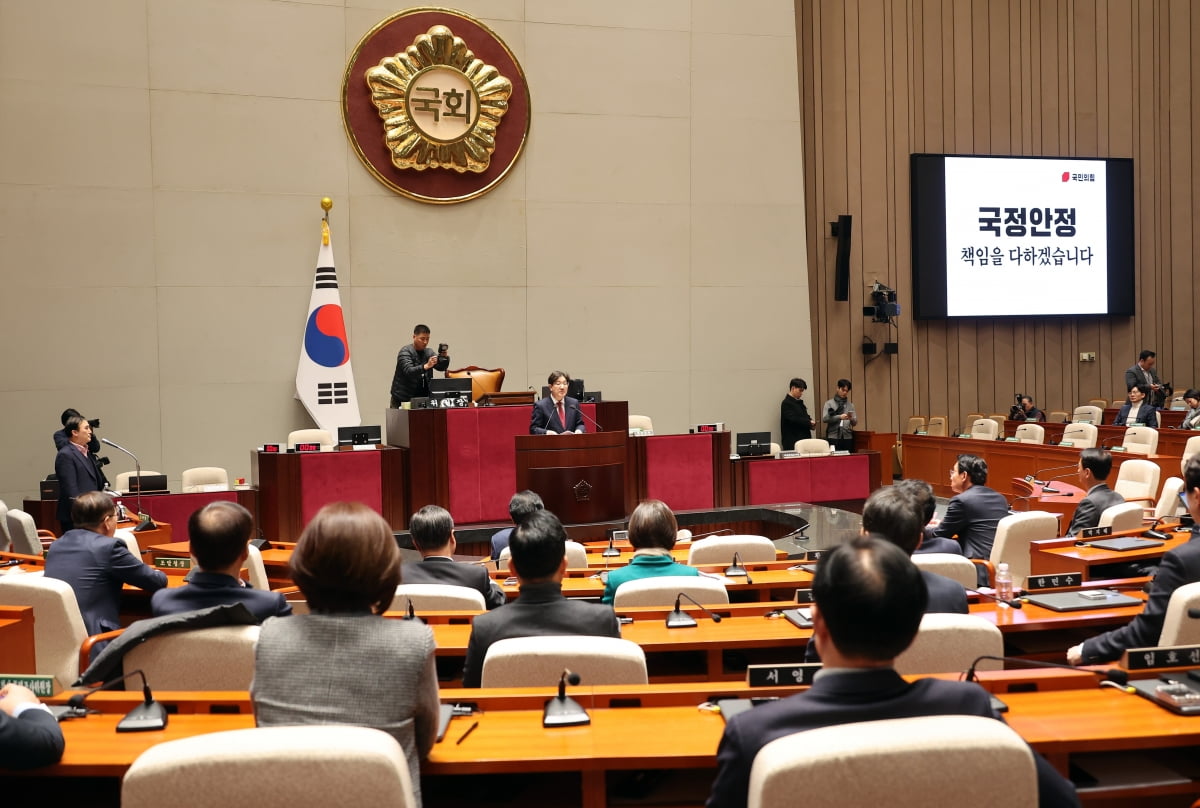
(563, 711)
(736, 570)
(1016, 604)
(678, 618)
(147, 523)
(587, 418)
(1048, 489)
(1037, 474)
(1114, 677)
(149, 715)
(611, 550)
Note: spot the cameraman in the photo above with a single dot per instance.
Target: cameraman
(1024, 410)
(415, 365)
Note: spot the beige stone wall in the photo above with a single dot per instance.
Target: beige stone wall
(161, 163)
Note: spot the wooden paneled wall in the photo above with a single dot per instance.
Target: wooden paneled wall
(881, 79)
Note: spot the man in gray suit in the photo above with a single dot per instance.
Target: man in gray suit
(432, 530)
(539, 560)
(1094, 468)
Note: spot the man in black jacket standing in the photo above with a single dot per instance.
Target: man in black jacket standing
(794, 421)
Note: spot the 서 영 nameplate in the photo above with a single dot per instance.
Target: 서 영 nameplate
(1174, 656)
(1058, 580)
(797, 673)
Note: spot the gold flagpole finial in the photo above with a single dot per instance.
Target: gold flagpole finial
(326, 204)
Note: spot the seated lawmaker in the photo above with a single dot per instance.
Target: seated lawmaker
(539, 561)
(652, 530)
(432, 530)
(345, 663)
(521, 505)
(1137, 411)
(974, 511)
(558, 413)
(922, 494)
(1191, 420)
(869, 600)
(1094, 467)
(29, 732)
(1179, 566)
(219, 541)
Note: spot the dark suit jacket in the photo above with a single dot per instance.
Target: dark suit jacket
(1087, 512)
(844, 698)
(930, 543)
(1134, 376)
(1180, 566)
(545, 416)
(206, 589)
(442, 570)
(1147, 414)
(540, 610)
(96, 566)
(76, 475)
(500, 540)
(34, 739)
(794, 422)
(972, 516)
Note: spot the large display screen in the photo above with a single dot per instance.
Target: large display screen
(1021, 236)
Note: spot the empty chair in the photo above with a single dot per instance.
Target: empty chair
(321, 436)
(951, 565)
(1000, 419)
(122, 481)
(1126, 516)
(1100, 403)
(1058, 416)
(1031, 433)
(576, 555)
(219, 658)
(662, 591)
(1178, 628)
(437, 598)
(539, 661)
(1013, 535)
(948, 643)
(1191, 448)
(1142, 440)
(972, 417)
(776, 449)
(813, 447)
(985, 429)
(980, 762)
(1088, 414)
(936, 425)
(1081, 436)
(205, 478)
(1137, 481)
(483, 380)
(58, 631)
(272, 767)
(640, 423)
(1168, 500)
(23, 532)
(720, 550)
(916, 423)
(256, 568)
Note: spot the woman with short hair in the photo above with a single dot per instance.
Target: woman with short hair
(652, 530)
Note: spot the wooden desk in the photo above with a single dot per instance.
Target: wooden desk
(1061, 555)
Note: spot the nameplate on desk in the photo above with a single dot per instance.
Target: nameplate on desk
(964, 435)
(840, 452)
(1029, 478)
(1173, 656)
(1067, 443)
(921, 432)
(272, 448)
(1082, 421)
(813, 555)
(42, 686)
(173, 563)
(1033, 583)
(797, 673)
(1118, 449)
(308, 447)
(1012, 440)
(1095, 532)
(788, 454)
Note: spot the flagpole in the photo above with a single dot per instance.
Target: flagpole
(326, 204)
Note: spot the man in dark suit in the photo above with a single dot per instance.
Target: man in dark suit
(96, 565)
(1137, 411)
(432, 530)
(922, 493)
(520, 505)
(558, 413)
(29, 734)
(1144, 372)
(869, 599)
(1094, 468)
(794, 421)
(539, 561)
(415, 364)
(975, 511)
(219, 535)
(75, 468)
(1180, 566)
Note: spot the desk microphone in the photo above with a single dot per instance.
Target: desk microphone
(681, 619)
(147, 523)
(1113, 676)
(610, 551)
(149, 715)
(588, 418)
(1037, 474)
(1047, 489)
(563, 711)
(736, 570)
(1016, 604)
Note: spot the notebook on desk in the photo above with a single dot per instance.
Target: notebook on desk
(800, 618)
(1125, 544)
(1085, 599)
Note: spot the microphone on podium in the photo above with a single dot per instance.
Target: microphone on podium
(587, 418)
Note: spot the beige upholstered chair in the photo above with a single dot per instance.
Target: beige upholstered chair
(1168, 500)
(272, 767)
(1178, 628)
(220, 658)
(936, 425)
(1031, 433)
(483, 380)
(58, 631)
(1000, 419)
(951, 642)
(5, 541)
(256, 568)
(951, 565)
(1058, 416)
(985, 429)
(916, 423)
(127, 535)
(1142, 440)
(1081, 436)
(437, 598)
(1013, 535)
(813, 447)
(1137, 481)
(23, 532)
(1126, 516)
(972, 417)
(576, 555)
(1191, 448)
(321, 436)
(662, 591)
(641, 423)
(1088, 414)
(776, 449)
(720, 550)
(539, 661)
(205, 478)
(122, 482)
(981, 762)
(1102, 403)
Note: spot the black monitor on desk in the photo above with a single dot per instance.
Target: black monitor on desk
(753, 444)
(359, 435)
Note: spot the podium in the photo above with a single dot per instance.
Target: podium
(581, 478)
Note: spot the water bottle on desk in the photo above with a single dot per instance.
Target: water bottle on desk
(1004, 582)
